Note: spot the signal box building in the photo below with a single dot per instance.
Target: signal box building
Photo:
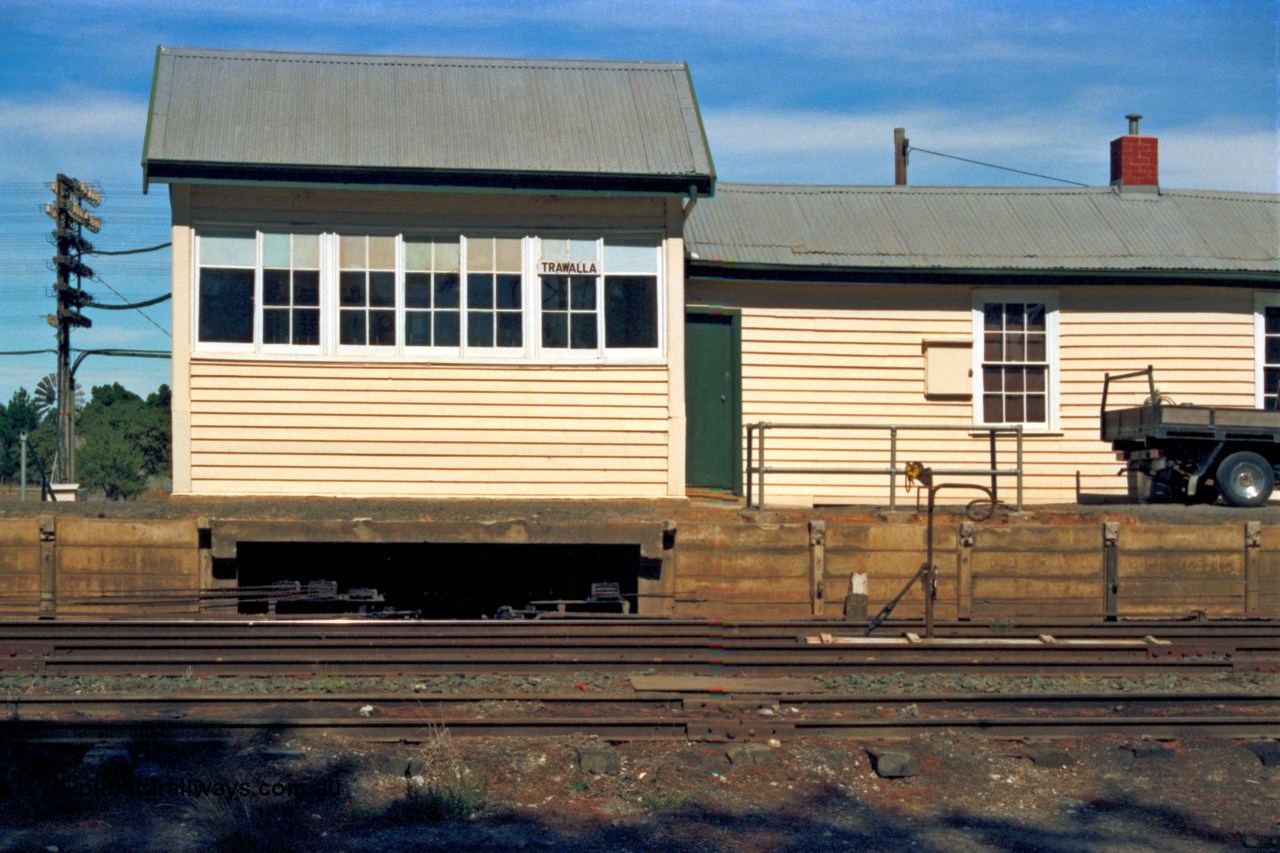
(425, 277)
(421, 277)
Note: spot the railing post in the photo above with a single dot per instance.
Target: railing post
(991, 434)
(750, 429)
(1018, 428)
(760, 505)
(893, 467)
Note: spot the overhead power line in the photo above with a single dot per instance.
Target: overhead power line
(130, 305)
(994, 166)
(131, 251)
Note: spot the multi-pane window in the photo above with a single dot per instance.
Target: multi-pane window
(367, 291)
(597, 292)
(630, 294)
(228, 263)
(1015, 363)
(429, 296)
(495, 316)
(291, 289)
(1271, 358)
(570, 317)
(432, 293)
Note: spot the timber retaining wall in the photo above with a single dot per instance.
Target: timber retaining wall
(737, 569)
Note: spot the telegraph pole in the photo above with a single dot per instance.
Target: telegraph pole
(69, 220)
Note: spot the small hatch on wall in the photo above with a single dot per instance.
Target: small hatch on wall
(948, 368)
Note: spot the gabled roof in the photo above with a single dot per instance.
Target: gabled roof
(522, 124)
(1094, 229)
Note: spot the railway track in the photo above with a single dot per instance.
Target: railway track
(368, 648)
(717, 682)
(690, 717)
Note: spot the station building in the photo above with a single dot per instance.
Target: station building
(440, 277)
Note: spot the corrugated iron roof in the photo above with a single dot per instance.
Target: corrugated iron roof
(264, 114)
(996, 228)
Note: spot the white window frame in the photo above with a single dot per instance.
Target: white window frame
(494, 353)
(1049, 298)
(531, 351)
(373, 352)
(433, 352)
(226, 346)
(602, 353)
(1262, 300)
(259, 305)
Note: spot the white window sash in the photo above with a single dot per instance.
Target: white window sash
(1049, 298)
(531, 350)
(1262, 300)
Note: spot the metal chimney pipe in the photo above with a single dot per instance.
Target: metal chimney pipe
(1133, 123)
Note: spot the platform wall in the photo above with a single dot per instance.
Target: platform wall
(68, 567)
(791, 571)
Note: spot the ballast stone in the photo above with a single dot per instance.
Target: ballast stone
(893, 762)
(1268, 752)
(599, 760)
(1050, 756)
(750, 753)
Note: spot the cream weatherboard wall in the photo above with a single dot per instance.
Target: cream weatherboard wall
(247, 424)
(849, 353)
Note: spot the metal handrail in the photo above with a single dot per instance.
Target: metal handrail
(759, 471)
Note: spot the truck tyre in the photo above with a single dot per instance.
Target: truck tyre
(1245, 479)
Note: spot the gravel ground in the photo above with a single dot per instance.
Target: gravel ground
(13, 687)
(1103, 795)
(500, 795)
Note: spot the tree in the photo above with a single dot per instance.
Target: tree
(18, 417)
(125, 439)
(109, 461)
(143, 424)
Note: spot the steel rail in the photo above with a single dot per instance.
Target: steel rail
(21, 707)
(642, 728)
(576, 627)
(420, 665)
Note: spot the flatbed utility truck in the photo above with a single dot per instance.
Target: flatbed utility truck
(1193, 453)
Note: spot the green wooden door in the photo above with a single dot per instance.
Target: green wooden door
(713, 399)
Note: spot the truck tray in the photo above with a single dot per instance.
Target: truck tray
(1209, 423)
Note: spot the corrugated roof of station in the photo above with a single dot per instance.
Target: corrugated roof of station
(236, 115)
(986, 228)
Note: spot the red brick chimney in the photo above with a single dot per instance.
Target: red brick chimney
(1135, 159)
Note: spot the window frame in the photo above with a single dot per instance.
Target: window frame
(602, 352)
(1047, 297)
(254, 345)
(1262, 300)
(260, 306)
(531, 350)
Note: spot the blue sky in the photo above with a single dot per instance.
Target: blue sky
(791, 92)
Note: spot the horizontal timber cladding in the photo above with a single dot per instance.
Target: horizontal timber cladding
(1203, 568)
(826, 353)
(19, 567)
(994, 571)
(359, 429)
(741, 571)
(112, 567)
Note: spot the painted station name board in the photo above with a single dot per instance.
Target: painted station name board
(567, 267)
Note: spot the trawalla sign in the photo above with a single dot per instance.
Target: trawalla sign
(567, 267)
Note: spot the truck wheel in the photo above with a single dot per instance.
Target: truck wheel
(1245, 479)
